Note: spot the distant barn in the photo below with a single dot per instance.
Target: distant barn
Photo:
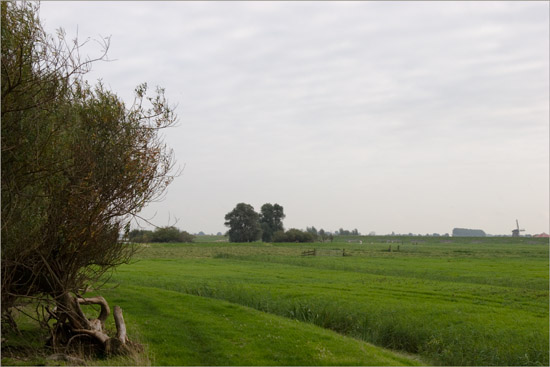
(465, 232)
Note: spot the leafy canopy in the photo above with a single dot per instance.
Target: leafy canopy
(271, 220)
(243, 223)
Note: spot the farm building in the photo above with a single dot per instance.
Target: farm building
(465, 232)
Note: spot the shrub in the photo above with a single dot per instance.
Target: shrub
(162, 234)
(293, 235)
(170, 234)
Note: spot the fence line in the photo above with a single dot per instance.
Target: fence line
(332, 251)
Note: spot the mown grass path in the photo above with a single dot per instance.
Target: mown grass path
(468, 302)
(182, 329)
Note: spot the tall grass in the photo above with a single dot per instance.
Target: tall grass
(444, 338)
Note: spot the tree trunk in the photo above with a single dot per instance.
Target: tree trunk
(120, 325)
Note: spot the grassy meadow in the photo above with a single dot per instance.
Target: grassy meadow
(448, 301)
(429, 300)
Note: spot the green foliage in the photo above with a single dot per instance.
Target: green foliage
(170, 234)
(313, 232)
(325, 236)
(161, 234)
(165, 234)
(77, 163)
(243, 223)
(271, 220)
(293, 235)
(345, 232)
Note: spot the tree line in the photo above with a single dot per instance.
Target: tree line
(246, 225)
(161, 234)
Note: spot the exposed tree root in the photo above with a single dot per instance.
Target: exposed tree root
(73, 332)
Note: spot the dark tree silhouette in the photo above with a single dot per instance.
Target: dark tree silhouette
(243, 223)
(271, 220)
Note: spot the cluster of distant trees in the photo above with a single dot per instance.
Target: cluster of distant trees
(161, 234)
(320, 235)
(345, 232)
(201, 233)
(293, 235)
(323, 235)
(246, 225)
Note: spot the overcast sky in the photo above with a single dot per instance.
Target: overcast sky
(381, 116)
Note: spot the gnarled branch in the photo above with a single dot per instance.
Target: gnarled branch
(105, 310)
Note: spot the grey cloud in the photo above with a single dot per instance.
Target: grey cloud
(339, 101)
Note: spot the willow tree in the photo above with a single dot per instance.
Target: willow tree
(77, 165)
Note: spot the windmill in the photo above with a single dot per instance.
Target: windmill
(515, 232)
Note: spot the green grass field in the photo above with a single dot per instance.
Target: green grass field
(183, 329)
(450, 301)
(442, 301)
